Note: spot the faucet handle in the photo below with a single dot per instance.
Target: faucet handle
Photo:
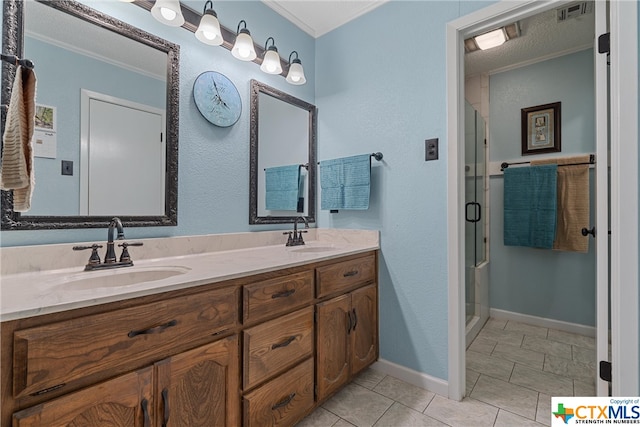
(125, 257)
(290, 239)
(94, 259)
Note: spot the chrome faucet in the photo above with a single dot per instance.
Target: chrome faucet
(110, 260)
(297, 239)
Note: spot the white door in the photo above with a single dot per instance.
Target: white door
(125, 165)
(602, 201)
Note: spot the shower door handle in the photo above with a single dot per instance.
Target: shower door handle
(477, 212)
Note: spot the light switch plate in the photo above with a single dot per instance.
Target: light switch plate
(431, 149)
(67, 167)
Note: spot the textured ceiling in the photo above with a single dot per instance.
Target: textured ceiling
(541, 37)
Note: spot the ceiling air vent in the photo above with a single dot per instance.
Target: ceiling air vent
(574, 10)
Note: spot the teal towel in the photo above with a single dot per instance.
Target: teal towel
(346, 183)
(281, 185)
(530, 206)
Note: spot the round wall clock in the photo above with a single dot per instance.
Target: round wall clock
(217, 99)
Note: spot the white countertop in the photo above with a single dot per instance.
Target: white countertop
(43, 291)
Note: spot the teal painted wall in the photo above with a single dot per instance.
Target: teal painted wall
(376, 93)
(549, 284)
(213, 162)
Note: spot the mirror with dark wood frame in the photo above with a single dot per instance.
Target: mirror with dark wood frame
(16, 24)
(283, 132)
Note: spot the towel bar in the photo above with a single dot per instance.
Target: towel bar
(377, 155)
(592, 160)
(12, 59)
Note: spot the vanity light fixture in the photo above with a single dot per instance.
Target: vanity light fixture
(208, 31)
(243, 47)
(295, 76)
(271, 59)
(168, 12)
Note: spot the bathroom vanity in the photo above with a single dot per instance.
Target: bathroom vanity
(256, 337)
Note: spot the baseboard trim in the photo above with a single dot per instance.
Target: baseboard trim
(575, 328)
(427, 382)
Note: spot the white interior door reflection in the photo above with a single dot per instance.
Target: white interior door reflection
(122, 158)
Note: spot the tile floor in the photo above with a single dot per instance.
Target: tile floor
(513, 369)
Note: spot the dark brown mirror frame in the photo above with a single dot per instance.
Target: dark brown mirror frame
(256, 89)
(12, 44)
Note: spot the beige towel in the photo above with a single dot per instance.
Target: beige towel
(16, 170)
(573, 203)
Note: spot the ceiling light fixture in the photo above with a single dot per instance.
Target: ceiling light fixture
(243, 47)
(168, 12)
(271, 60)
(493, 38)
(208, 31)
(295, 76)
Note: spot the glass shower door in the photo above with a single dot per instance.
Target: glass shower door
(474, 203)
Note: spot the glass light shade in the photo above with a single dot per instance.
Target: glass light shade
(271, 62)
(243, 47)
(168, 12)
(208, 31)
(491, 39)
(296, 73)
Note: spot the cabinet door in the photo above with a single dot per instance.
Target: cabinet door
(364, 331)
(200, 387)
(332, 349)
(122, 401)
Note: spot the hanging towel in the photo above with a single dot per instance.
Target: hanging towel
(573, 203)
(530, 206)
(282, 186)
(346, 182)
(16, 169)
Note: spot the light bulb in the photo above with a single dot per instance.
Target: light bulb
(244, 52)
(168, 14)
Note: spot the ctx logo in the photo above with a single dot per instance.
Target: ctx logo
(581, 412)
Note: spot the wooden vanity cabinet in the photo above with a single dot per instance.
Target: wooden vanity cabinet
(262, 350)
(193, 388)
(347, 325)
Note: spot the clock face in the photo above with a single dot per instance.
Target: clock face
(217, 99)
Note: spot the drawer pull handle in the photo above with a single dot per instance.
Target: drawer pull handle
(283, 294)
(284, 343)
(350, 273)
(145, 412)
(285, 402)
(355, 319)
(165, 407)
(155, 330)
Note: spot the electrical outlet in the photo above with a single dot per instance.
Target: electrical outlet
(431, 149)
(67, 167)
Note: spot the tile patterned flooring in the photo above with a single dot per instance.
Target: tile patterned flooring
(513, 369)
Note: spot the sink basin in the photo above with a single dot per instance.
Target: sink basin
(119, 277)
(311, 249)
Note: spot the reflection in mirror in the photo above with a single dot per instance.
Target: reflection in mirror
(111, 94)
(283, 157)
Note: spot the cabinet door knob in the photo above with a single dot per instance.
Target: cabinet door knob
(355, 319)
(145, 412)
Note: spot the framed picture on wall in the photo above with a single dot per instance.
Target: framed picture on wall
(541, 129)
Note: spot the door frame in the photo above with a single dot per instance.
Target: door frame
(624, 162)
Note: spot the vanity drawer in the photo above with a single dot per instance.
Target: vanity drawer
(345, 275)
(275, 345)
(277, 295)
(282, 401)
(48, 357)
